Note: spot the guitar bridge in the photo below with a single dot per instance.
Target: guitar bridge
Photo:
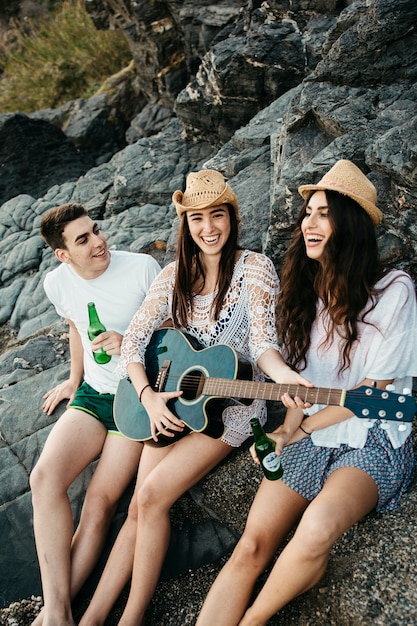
(162, 376)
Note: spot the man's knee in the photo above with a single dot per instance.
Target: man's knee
(38, 477)
(97, 513)
(47, 481)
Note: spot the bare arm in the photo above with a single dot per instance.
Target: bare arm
(274, 366)
(68, 387)
(334, 414)
(290, 431)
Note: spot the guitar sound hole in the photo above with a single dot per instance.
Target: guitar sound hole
(191, 385)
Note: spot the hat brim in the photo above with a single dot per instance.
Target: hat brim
(373, 211)
(228, 196)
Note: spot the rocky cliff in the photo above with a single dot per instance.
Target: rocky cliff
(271, 94)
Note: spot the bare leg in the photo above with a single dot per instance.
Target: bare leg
(275, 510)
(117, 466)
(116, 574)
(75, 440)
(118, 569)
(187, 462)
(348, 495)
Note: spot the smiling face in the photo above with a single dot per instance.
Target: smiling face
(85, 248)
(316, 226)
(210, 228)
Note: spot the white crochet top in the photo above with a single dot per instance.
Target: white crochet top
(246, 323)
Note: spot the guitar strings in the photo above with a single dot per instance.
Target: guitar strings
(194, 381)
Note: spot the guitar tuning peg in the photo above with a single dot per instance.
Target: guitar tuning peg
(407, 391)
(390, 387)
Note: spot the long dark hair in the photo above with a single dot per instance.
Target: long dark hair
(344, 279)
(190, 269)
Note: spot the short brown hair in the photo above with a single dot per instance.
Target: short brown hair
(54, 221)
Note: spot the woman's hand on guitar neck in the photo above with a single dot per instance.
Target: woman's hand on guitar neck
(161, 419)
(274, 366)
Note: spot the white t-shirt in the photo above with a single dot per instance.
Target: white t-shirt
(117, 294)
(386, 348)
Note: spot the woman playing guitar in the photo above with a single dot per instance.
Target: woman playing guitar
(217, 293)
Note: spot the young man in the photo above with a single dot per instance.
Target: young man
(117, 283)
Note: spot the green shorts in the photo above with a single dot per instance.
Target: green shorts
(99, 405)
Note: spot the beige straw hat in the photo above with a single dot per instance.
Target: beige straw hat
(204, 189)
(346, 178)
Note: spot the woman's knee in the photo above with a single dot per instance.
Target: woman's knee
(150, 499)
(252, 550)
(317, 532)
(132, 511)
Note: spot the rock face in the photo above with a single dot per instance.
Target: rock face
(28, 150)
(271, 94)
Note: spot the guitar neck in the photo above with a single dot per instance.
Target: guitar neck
(271, 391)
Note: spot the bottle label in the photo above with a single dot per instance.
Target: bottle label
(271, 462)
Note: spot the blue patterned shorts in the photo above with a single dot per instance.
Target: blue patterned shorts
(306, 466)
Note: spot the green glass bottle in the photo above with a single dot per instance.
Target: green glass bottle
(95, 328)
(265, 451)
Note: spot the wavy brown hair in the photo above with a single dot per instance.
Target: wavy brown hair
(344, 279)
(190, 269)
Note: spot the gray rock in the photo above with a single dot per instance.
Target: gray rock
(150, 121)
(28, 160)
(8, 297)
(376, 47)
(23, 256)
(244, 72)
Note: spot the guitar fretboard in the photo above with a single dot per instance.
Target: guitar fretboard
(271, 391)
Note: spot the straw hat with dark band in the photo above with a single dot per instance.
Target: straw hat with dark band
(347, 179)
(205, 189)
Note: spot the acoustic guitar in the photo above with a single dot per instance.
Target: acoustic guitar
(214, 378)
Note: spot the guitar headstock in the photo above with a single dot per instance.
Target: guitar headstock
(373, 403)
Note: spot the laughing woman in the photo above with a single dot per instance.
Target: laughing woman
(344, 321)
(218, 293)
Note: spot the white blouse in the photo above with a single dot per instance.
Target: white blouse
(386, 348)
